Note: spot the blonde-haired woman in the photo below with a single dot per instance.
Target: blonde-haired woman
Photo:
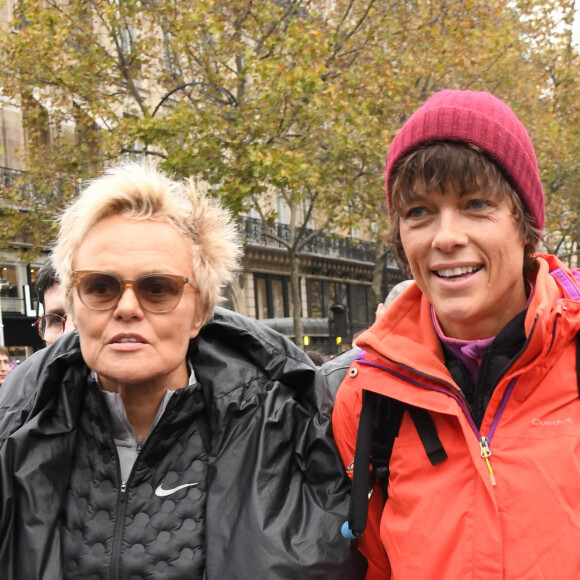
(165, 438)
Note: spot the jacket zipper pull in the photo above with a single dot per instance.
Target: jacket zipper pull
(486, 453)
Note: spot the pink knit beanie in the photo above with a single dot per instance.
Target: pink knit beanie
(483, 120)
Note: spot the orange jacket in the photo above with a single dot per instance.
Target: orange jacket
(449, 521)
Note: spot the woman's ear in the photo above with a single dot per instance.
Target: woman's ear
(198, 319)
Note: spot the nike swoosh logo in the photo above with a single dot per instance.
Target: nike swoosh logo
(162, 492)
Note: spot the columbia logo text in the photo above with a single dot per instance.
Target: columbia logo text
(552, 422)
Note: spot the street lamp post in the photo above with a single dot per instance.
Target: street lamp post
(3, 282)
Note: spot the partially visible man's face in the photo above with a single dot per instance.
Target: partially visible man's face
(4, 367)
(54, 303)
(54, 300)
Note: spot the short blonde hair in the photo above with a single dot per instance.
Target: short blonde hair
(142, 192)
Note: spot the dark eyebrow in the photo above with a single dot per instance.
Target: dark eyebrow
(414, 196)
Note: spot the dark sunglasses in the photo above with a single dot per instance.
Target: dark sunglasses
(155, 292)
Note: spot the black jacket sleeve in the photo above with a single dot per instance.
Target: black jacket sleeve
(278, 492)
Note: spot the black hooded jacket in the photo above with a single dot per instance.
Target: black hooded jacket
(239, 479)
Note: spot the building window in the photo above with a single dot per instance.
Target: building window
(9, 281)
(273, 296)
(316, 301)
(360, 307)
(323, 294)
(36, 121)
(282, 209)
(9, 289)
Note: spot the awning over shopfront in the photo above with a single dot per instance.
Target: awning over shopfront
(314, 327)
(18, 331)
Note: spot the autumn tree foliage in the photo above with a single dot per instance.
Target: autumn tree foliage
(294, 99)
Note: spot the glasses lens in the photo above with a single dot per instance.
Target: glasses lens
(99, 291)
(159, 293)
(51, 327)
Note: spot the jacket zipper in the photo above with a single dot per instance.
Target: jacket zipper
(118, 533)
(449, 390)
(484, 441)
(122, 503)
(486, 453)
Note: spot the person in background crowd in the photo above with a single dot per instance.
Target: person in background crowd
(316, 357)
(55, 322)
(335, 369)
(167, 437)
(5, 367)
(480, 352)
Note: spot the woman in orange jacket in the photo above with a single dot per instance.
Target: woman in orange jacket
(484, 344)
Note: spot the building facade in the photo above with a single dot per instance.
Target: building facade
(336, 275)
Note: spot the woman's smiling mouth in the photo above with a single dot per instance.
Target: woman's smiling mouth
(457, 272)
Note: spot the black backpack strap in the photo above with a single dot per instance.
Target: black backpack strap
(428, 435)
(388, 417)
(359, 497)
(379, 424)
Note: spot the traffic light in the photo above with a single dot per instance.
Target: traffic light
(337, 322)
